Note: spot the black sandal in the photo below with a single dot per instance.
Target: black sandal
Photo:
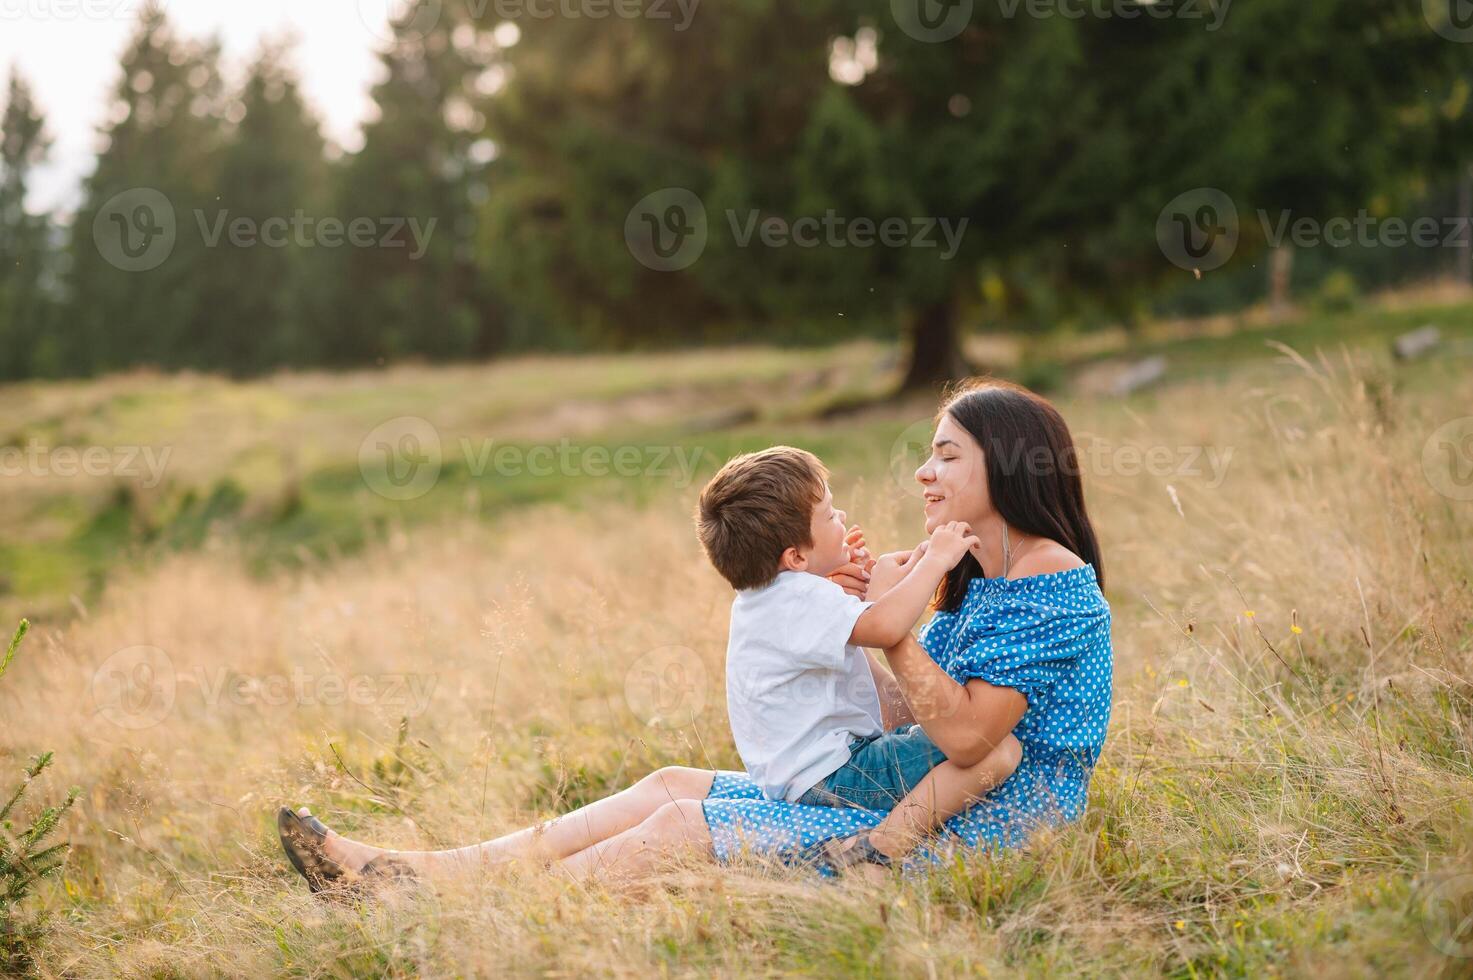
(824, 857)
(303, 838)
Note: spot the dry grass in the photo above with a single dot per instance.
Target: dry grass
(1268, 801)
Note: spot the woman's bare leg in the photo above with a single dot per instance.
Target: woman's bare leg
(675, 829)
(554, 839)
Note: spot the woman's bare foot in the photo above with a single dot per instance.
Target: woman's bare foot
(349, 853)
(856, 855)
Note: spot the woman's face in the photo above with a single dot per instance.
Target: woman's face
(954, 478)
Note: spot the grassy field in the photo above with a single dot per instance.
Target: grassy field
(1288, 782)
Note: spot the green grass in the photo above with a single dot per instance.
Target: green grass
(1269, 802)
(273, 463)
(1364, 328)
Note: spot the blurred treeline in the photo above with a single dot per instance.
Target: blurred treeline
(1059, 139)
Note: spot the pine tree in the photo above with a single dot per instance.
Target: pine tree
(25, 250)
(268, 293)
(163, 141)
(1058, 139)
(25, 855)
(416, 164)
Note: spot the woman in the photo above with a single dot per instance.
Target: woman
(1020, 642)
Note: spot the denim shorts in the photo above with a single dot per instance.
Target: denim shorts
(881, 770)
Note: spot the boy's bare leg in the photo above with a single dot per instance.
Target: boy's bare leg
(946, 791)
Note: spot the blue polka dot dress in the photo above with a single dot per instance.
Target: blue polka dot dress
(1047, 636)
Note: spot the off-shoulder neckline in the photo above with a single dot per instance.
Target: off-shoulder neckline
(1083, 575)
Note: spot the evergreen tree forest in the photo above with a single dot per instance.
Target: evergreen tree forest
(814, 171)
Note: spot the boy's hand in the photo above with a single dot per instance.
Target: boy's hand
(858, 549)
(951, 541)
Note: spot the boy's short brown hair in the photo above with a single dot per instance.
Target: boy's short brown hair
(758, 506)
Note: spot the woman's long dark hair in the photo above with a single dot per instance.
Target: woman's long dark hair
(1032, 473)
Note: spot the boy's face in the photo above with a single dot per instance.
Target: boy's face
(827, 527)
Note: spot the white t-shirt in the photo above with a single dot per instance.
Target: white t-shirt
(796, 692)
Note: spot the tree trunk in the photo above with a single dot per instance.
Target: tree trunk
(1280, 271)
(935, 348)
(1464, 267)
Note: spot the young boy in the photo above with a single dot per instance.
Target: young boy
(801, 695)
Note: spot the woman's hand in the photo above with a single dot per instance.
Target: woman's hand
(853, 576)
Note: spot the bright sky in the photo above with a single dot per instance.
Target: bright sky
(69, 50)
